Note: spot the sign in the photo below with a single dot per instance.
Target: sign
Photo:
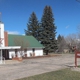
(77, 55)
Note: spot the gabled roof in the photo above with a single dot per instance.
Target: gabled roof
(21, 40)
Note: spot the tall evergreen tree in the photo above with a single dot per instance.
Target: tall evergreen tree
(61, 43)
(48, 31)
(32, 26)
(59, 38)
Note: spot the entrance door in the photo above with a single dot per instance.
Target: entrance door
(5, 53)
(1, 57)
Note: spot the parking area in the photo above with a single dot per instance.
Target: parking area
(30, 67)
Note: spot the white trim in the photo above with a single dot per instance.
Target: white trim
(11, 47)
(35, 47)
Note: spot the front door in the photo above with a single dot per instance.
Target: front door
(5, 53)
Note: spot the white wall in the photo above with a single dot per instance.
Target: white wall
(38, 52)
(2, 34)
(11, 53)
(28, 52)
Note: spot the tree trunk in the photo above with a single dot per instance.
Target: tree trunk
(46, 52)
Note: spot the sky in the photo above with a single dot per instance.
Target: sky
(16, 13)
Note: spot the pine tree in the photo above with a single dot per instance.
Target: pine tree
(32, 26)
(59, 38)
(47, 31)
(61, 43)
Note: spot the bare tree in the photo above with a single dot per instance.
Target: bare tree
(78, 37)
(71, 41)
(19, 41)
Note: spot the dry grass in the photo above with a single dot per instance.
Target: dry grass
(65, 74)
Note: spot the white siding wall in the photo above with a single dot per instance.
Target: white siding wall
(11, 53)
(19, 54)
(38, 52)
(28, 52)
(2, 34)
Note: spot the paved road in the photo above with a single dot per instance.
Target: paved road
(31, 67)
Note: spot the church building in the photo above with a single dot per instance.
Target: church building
(12, 45)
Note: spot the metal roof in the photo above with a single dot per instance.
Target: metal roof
(24, 41)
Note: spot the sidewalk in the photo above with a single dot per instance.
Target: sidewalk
(10, 62)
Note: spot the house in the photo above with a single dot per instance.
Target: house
(18, 45)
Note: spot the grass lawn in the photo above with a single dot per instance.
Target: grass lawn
(64, 74)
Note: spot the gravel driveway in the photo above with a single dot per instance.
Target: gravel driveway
(31, 67)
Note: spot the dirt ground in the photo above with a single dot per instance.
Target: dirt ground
(14, 70)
